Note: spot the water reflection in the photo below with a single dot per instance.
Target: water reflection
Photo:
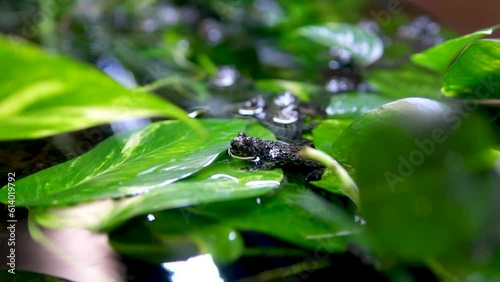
(199, 268)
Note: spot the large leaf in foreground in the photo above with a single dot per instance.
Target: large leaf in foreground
(129, 164)
(476, 73)
(439, 57)
(424, 175)
(346, 146)
(222, 181)
(365, 46)
(42, 94)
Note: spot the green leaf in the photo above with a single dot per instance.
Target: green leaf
(476, 72)
(351, 105)
(304, 218)
(365, 46)
(44, 94)
(439, 57)
(346, 146)
(129, 164)
(407, 81)
(176, 235)
(424, 173)
(302, 89)
(224, 180)
(326, 132)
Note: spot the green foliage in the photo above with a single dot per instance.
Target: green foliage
(440, 57)
(326, 132)
(406, 81)
(420, 166)
(476, 72)
(178, 234)
(128, 164)
(364, 46)
(60, 95)
(351, 105)
(304, 219)
(425, 165)
(224, 180)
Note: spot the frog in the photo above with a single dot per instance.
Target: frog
(270, 154)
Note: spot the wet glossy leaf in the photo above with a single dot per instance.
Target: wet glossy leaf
(365, 46)
(424, 174)
(58, 95)
(129, 164)
(439, 57)
(408, 81)
(351, 105)
(222, 181)
(476, 72)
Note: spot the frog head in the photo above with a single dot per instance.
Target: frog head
(242, 147)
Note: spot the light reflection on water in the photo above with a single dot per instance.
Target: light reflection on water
(199, 268)
(262, 183)
(217, 176)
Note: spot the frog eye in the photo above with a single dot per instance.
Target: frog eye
(242, 135)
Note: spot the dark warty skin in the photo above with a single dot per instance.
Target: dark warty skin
(269, 154)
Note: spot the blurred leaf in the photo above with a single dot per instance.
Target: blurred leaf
(424, 173)
(44, 94)
(439, 57)
(129, 164)
(345, 147)
(303, 90)
(351, 105)
(364, 46)
(476, 72)
(222, 181)
(326, 132)
(330, 181)
(407, 81)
